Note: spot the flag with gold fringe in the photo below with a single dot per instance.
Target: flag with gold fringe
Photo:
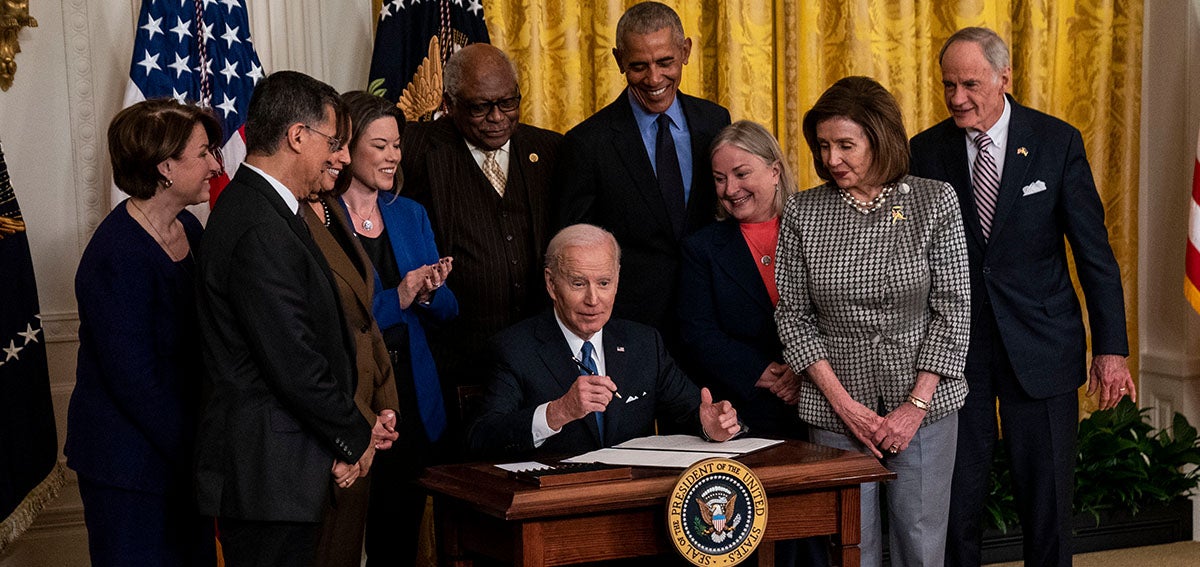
(29, 472)
(1191, 279)
(412, 42)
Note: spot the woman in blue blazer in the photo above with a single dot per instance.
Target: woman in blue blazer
(409, 294)
(132, 417)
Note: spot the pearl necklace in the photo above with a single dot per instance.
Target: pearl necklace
(867, 207)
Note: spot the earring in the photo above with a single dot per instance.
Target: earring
(168, 183)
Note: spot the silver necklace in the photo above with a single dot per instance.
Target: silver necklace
(867, 207)
(367, 225)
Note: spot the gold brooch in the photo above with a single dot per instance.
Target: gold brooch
(898, 214)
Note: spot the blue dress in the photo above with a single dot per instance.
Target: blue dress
(132, 417)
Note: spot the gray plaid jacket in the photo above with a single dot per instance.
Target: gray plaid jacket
(880, 296)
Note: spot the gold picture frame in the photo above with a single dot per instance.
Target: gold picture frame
(14, 15)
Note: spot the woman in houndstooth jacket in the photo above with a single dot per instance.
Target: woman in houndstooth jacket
(875, 307)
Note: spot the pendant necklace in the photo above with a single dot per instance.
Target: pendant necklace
(367, 225)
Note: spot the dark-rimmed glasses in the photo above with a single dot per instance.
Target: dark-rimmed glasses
(481, 109)
(335, 144)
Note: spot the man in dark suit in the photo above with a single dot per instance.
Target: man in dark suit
(649, 186)
(555, 375)
(279, 416)
(1023, 183)
(485, 179)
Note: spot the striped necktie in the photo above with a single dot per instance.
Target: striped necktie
(986, 181)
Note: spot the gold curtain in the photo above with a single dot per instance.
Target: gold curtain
(769, 60)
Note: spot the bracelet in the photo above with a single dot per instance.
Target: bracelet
(921, 404)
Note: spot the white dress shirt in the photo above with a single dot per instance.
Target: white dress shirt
(501, 155)
(540, 428)
(288, 198)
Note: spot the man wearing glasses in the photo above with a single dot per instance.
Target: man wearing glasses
(279, 425)
(484, 178)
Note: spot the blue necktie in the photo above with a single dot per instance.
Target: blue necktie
(589, 363)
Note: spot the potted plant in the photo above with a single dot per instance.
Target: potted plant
(1131, 485)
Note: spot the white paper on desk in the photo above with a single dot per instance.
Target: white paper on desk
(693, 443)
(647, 458)
(524, 467)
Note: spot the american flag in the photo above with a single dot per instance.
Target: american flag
(1191, 269)
(198, 51)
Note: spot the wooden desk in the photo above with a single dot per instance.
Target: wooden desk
(811, 490)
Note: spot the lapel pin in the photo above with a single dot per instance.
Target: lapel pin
(898, 214)
(533, 158)
(620, 349)
(1021, 151)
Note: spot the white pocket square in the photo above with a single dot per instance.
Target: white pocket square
(632, 398)
(1035, 187)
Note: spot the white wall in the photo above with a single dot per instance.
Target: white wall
(1169, 328)
(70, 81)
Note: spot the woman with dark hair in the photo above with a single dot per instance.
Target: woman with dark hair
(874, 308)
(341, 539)
(132, 417)
(409, 293)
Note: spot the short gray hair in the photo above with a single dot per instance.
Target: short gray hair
(994, 48)
(582, 236)
(648, 17)
(473, 55)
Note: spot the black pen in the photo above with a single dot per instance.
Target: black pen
(590, 373)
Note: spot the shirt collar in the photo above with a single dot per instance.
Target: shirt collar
(999, 131)
(575, 343)
(645, 120)
(288, 198)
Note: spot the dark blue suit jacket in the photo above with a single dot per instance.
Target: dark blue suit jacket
(531, 365)
(605, 178)
(1020, 274)
(728, 327)
(132, 418)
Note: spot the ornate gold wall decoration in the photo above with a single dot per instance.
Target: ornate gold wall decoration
(14, 15)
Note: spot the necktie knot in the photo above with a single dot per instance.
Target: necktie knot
(664, 121)
(982, 141)
(493, 171)
(586, 356)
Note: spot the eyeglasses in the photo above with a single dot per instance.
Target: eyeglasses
(215, 151)
(335, 144)
(481, 109)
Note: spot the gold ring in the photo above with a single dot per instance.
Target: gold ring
(1122, 390)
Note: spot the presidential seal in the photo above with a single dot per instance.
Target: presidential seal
(717, 513)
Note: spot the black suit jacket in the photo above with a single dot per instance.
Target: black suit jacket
(606, 178)
(1020, 274)
(440, 174)
(531, 365)
(280, 406)
(727, 323)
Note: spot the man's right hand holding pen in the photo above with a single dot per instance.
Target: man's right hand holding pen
(588, 394)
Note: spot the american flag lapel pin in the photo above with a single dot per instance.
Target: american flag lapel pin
(620, 349)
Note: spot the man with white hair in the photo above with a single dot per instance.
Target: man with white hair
(1023, 184)
(574, 379)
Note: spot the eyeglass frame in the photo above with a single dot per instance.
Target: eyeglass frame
(481, 109)
(335, 143)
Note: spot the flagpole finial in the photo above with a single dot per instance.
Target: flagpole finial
(14, 15)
